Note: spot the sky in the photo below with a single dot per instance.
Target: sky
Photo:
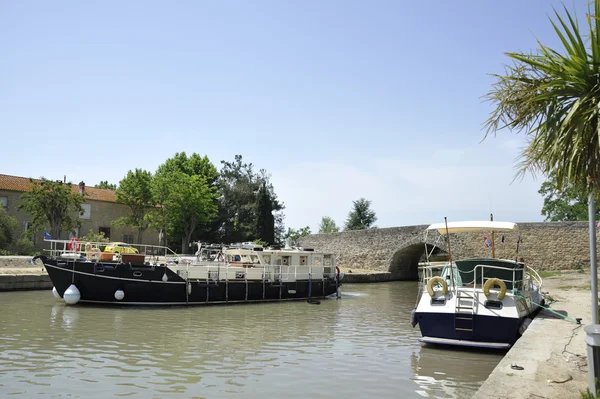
(337, 100)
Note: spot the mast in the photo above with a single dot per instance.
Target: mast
(493, 246)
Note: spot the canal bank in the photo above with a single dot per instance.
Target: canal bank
(549, 360)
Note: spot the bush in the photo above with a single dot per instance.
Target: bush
(8, 225)
(23, 246)
(95, 237)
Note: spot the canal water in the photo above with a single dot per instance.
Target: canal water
(359, 346)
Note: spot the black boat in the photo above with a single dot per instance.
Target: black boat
(120, 274)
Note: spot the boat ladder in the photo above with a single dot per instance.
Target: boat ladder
(464, 313)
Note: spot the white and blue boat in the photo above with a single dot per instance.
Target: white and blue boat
(477, 302)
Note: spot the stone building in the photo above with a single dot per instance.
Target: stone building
(100, 210)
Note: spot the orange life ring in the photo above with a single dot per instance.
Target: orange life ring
(74, 244)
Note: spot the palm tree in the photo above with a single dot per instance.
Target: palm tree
(554, 98)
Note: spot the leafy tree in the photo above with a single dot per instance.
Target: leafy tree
(294, 235)
(265, 225)
(8, 226)
(52, 204)
(185, 190)
(192, 165)
(106, 185)
(569, 203)
(361, 217)
(554, 97)
(239, 187)
(328, 225)
(191, 203)
(135, 191)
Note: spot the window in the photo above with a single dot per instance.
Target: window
(128, 238)
(105, 230)
(4, 202)
(87, 211)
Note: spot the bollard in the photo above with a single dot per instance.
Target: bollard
(592, 339)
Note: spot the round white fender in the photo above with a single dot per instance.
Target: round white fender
(165, 278)
(72, 295)
(119, 294)
(55, 293)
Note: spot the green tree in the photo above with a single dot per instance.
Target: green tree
(328, 225)
(239, 187)
(8, 226)
(553, 96)
(106, 185)
(135, 191)
(265, 224)
(191, 203)
(185, 191)
(361, 216)
(53, 205)
(295, 235)
(568, 203)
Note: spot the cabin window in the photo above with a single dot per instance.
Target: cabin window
(327, 260)
(286, 260)
(303, 260)
(438, 301)
(493, 304)
(267, 259)
(317, 261)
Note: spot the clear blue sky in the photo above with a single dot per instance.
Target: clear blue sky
(336, 99)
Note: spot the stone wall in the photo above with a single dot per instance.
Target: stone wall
(544, 246)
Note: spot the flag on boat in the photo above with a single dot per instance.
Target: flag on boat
(47, 235)
(487, 241)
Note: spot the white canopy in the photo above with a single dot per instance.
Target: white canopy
(478, 225)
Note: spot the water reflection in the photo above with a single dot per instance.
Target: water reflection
(447, 372)
(362, 345)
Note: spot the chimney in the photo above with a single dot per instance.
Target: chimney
(81, 188)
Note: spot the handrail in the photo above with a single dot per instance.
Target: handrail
(528, 274)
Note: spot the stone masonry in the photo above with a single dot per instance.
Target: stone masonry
(544, 246)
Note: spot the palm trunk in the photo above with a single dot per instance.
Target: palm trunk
(593, 266)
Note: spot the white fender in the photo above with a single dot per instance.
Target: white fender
(72, 295)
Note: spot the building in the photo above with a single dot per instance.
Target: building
(100, 210)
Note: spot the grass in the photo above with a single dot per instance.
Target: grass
(548, 273)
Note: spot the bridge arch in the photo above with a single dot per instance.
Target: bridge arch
(405, 260)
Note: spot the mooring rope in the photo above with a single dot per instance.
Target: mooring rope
(576, 321)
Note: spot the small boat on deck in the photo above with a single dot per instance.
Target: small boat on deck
(477, 302)
(83, 272)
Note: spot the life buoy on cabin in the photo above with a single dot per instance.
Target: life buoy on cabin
(74, 244)
(436, 280)
(495, 282)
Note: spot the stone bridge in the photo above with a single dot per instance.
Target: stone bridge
(544, 246)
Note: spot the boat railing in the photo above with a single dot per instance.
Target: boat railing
(96, 250)
(216, 271)
(479, 276)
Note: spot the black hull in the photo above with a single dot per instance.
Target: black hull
(483, 328)
(144, 285)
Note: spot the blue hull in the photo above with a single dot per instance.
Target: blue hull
(479, 329)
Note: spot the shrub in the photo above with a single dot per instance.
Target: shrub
(23, 246)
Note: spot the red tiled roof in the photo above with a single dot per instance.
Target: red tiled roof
(22, 184)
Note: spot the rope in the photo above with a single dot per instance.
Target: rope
(576, 321)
